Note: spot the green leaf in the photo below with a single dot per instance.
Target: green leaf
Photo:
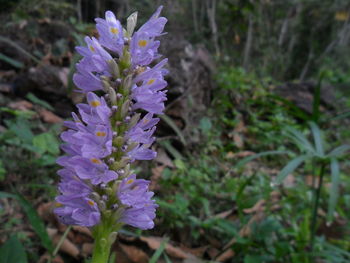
(13, 251)
(158, 252)
(317, 139)
(171, 149)
(255, 156)
(36, 100)
(2, 171)
(290, 167)
(205, 125)
(22, 129)
(300, 139)
(340, 150)
(36, 222)
(46, 142)
(167, 259)
(7, 195)
(11, 61)
(172, 124)
(334, 191)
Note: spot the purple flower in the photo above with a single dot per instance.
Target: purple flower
(111, 33)
(107, 135)
(94, 170)
(79, 211)
(143, 46)
(141, 152)
(96, 111)
(155, 25)
(134, 194)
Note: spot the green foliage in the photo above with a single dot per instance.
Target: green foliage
(35, 221)
(13, 251)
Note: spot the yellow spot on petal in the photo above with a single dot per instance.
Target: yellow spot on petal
(58, 205)
(142, 43)
(100, 134)
(150, 82)
(114, 30)
(95, 103)
(91, 203)
(130, 181)
(92, 48)
(94, 160)
(145, 121)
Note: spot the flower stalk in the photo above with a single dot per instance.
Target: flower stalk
(317, 194)
(98, 187)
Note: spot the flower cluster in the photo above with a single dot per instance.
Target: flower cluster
(115, 127)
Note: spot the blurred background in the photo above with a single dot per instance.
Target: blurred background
(252, 161)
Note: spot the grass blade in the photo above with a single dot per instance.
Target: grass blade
(255, 156)
(300, 139)
(11, 61)
(36, 222)
(317, 134)
(13, 251)
(172, 125)
(30, 96)
(334, 191)
(158, 252)
(340, 150)
(290, 167)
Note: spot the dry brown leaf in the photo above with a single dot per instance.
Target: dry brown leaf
(225, 256)
(156, 175)
(67, 246)
(238, 140)
(289, 181)
(258, 207)
(45, 211)
(45, 258)
(83, 230)
(240, 127)
(198, 251)
(155, 242)
(63, 76)
(49, 117)
(223, 214)
(21, 105)
(163, 158)
(232, 155)
(135, 254)
(6, 88)
(86, 249)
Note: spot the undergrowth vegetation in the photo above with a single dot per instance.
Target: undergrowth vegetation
(268, 180)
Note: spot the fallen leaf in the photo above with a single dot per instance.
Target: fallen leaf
(225, 256)
(155, 242)
(238, 139)
(289, 181)
(135, 254)
(21, 105)
(49, 117)
(83, 230)
(240, 127)
(163, 158)
(63, 76)
(67, 246)
(156, 175)
(45, 258)
(223, 214)
(86, 249)
(258, 207)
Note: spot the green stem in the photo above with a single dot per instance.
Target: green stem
(317, 194)
(104, 236)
